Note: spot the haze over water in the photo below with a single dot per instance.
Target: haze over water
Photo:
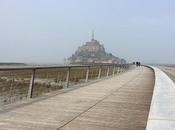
(47, 31)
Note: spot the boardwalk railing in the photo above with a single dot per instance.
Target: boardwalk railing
(19, 83)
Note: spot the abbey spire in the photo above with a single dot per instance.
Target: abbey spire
(92, 35)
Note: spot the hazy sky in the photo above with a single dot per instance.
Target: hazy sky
(51, 30)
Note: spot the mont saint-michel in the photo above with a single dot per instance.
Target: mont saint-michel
(93, 52)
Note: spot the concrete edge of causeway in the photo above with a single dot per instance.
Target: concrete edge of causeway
(162, 109)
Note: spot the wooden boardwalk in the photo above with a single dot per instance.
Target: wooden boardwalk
(119, 103)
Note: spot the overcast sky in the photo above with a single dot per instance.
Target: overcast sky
(47, 31)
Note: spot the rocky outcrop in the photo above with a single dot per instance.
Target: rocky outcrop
(93, 52)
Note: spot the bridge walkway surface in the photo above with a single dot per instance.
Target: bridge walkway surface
(119, 103)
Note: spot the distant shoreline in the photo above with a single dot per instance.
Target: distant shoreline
(9, 64)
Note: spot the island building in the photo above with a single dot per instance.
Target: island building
(93, 52)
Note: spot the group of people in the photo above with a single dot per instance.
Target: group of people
(137, 63)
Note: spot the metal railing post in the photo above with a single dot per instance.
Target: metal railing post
(118, 70)
(87, 74)
(113, 70)
(57, 79)
(107, 72)
(68, 76)
(99, 73)
(30, 91)
(121, 68)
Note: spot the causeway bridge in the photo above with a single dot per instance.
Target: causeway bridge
(100, 97)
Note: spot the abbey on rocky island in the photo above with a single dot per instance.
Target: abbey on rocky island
(93, 52)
